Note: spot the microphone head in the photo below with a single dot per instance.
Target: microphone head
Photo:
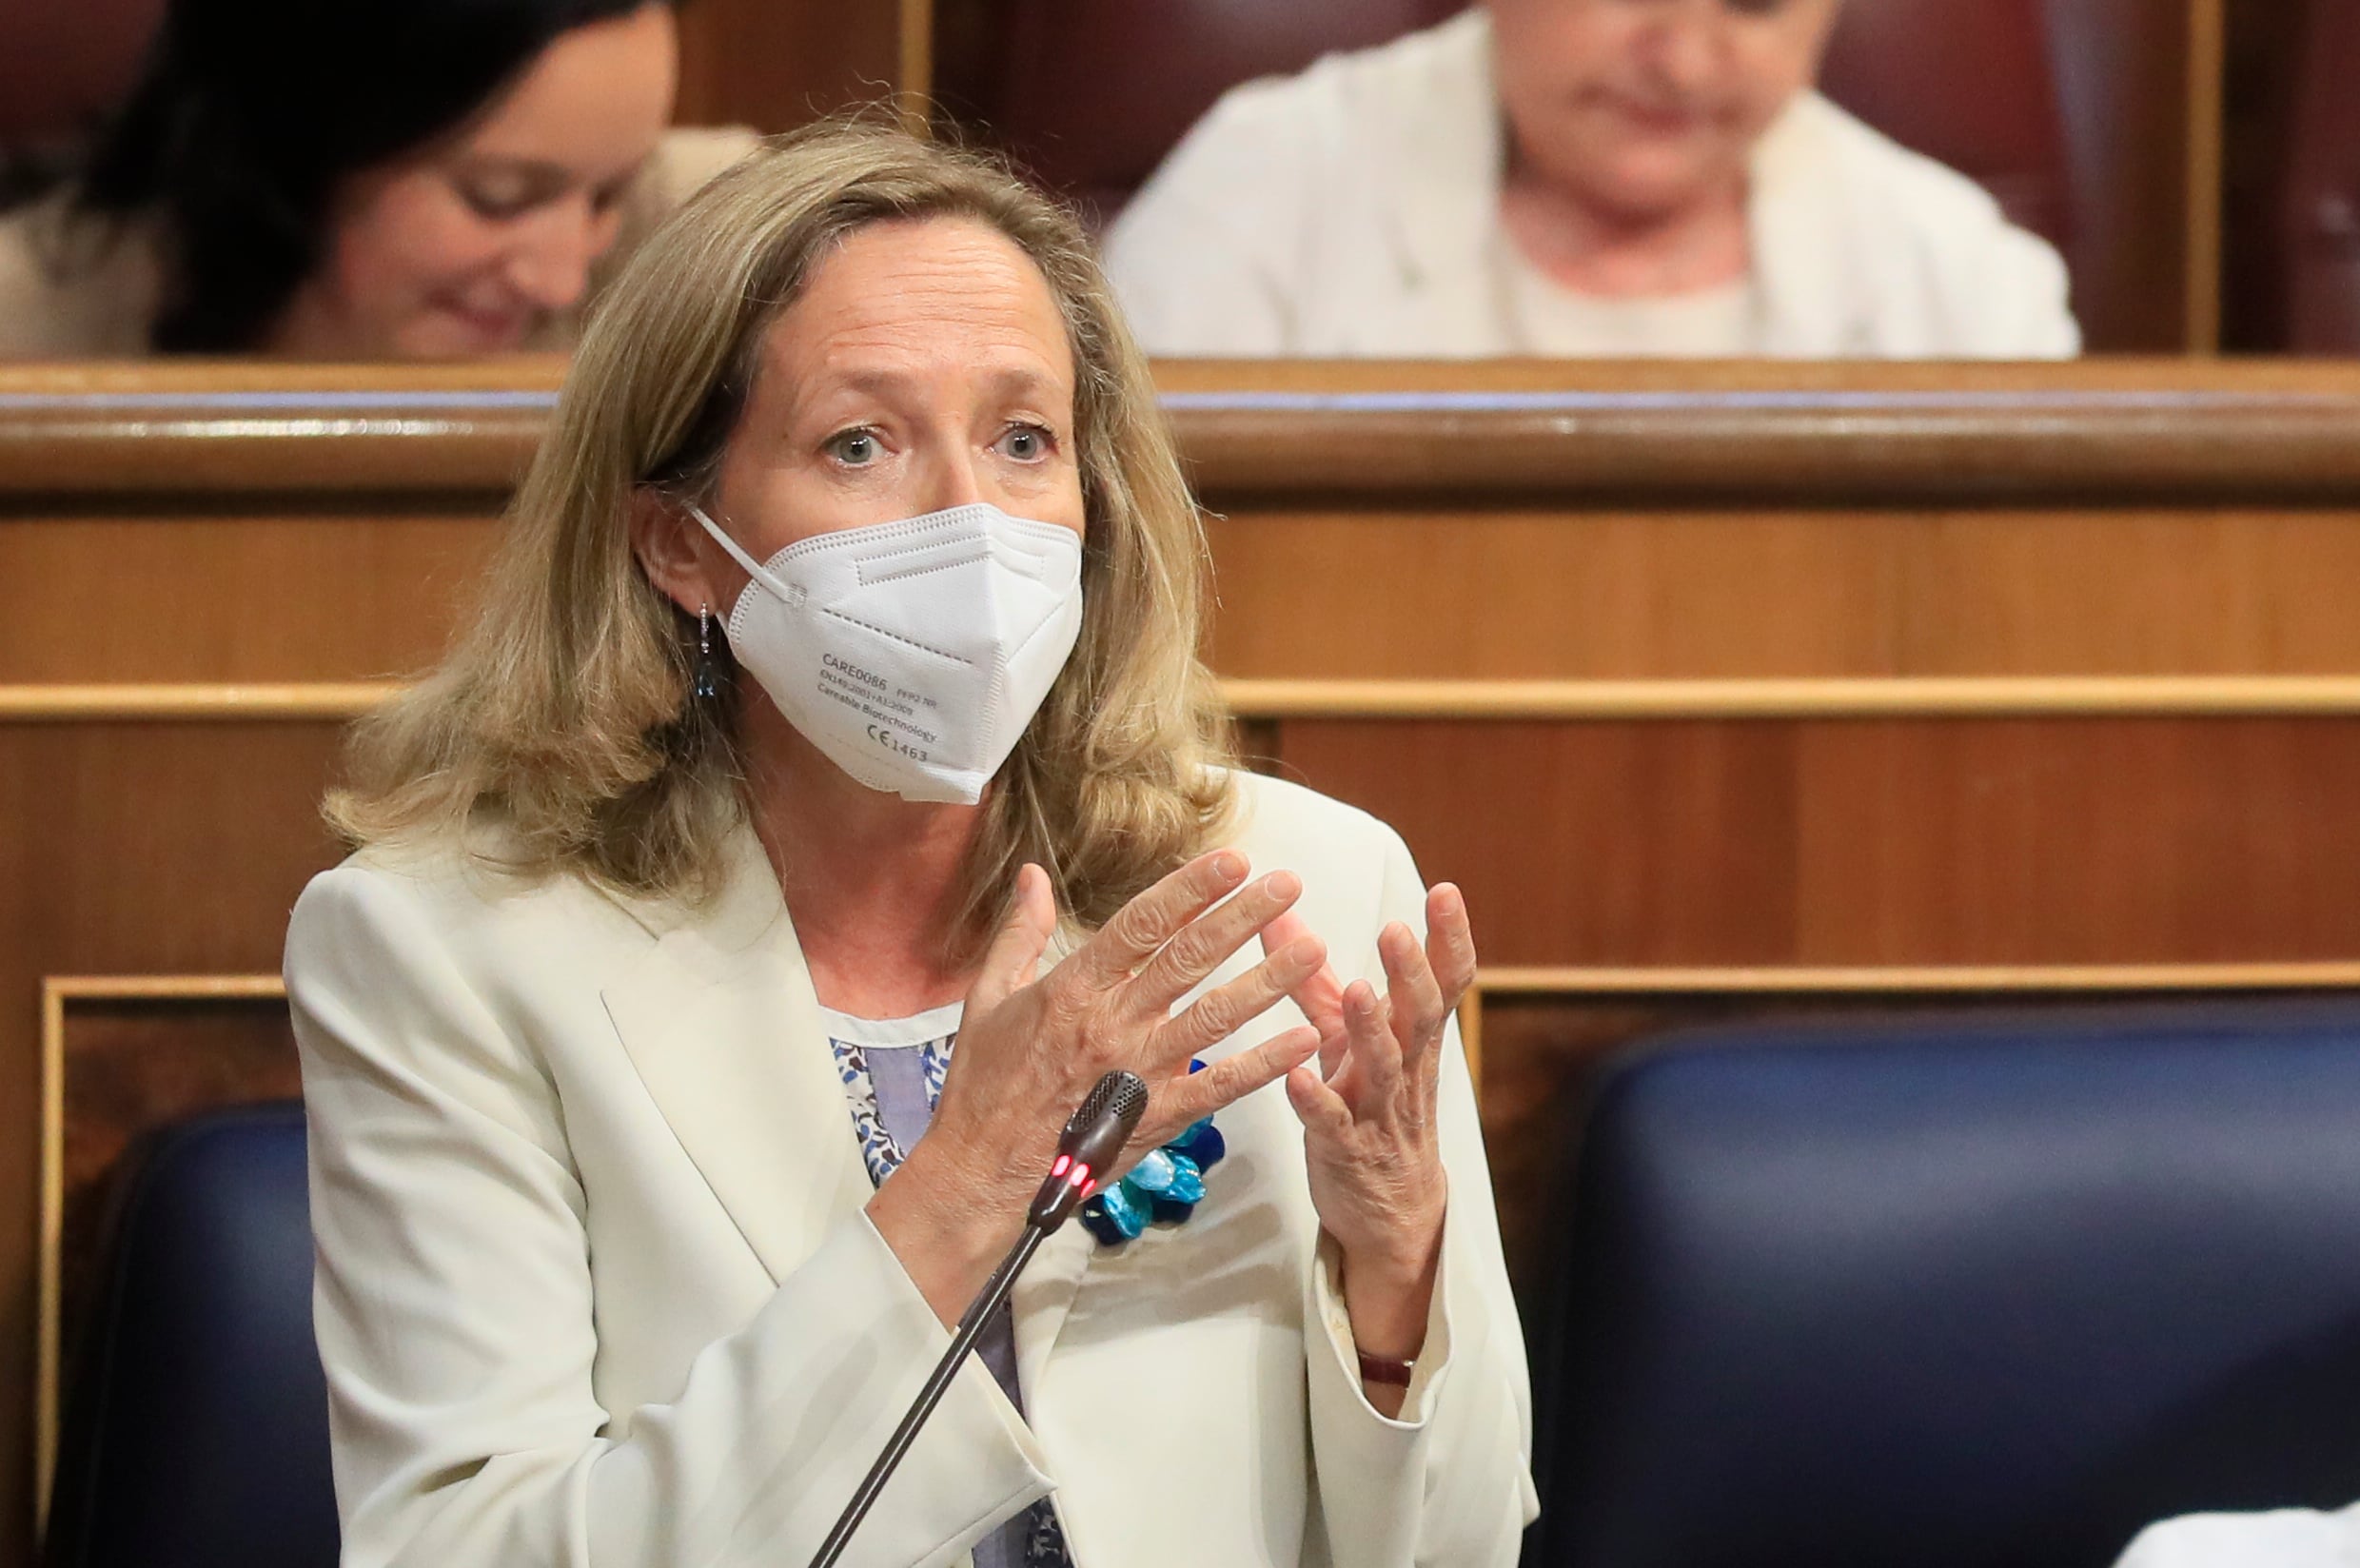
(1092, 1141)
(1119, 1094)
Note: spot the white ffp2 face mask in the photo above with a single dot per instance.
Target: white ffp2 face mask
(913, 654)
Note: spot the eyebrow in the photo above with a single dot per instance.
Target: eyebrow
(1005, 380)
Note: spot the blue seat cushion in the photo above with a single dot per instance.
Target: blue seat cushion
(1956, 1290)
(196, 1430)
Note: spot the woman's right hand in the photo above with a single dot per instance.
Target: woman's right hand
(1030, 1046)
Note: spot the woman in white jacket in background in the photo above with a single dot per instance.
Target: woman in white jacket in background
(1615, 177)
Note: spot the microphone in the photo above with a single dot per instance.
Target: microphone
(1093, 1139)
(1093, 1136)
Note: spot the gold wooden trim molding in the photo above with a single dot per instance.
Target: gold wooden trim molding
(58, 992)
(2026, 980)
(2032, 979)
(1471, 1033)
(216, 702)
(2208, 48)
(915, 60)
(1932, 696)
(1908, 696)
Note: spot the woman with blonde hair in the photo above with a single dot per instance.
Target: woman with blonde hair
(835, 704)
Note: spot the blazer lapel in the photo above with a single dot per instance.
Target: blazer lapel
(722, 1025)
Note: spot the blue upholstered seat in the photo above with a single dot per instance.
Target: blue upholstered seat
(196, 1428)
(1966, 1289)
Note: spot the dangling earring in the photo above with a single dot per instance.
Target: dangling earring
(705, 682)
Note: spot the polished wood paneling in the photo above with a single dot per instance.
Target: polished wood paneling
(1642, 433)
(1770, 432)
(775, 65)
(176, 430)
(2142, 77)
(2260, 94)
(313, 594)
(337, 593)
(1454, 593)
(131, 1064)
(1585, 521)
(2203, 175)
(1890, 841)
(127, 848)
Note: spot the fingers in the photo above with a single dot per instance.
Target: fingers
(1317, 1106)
(1320, 996)
(1204, 944)
(1191, 1098)
(1376, 1056)
(1222, 1012)
(1414, 1002)
(1284, 928)
(1015, 956)
(1449, 942)
(1141, 927)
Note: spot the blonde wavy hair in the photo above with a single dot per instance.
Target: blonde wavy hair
(564, 714)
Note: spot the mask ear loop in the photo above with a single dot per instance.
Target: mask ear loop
(755, 569)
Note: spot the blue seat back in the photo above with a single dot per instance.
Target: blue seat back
(1969, 1289)
(196, 1428)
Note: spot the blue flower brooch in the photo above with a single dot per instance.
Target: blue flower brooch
(1163, 1188)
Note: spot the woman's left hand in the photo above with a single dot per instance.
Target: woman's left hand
(1368, 1114)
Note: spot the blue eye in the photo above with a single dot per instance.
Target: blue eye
(854, 448)
(1027, 442)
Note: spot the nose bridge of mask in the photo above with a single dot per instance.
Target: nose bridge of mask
(919, 560)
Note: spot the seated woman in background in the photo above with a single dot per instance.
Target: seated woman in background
(369, 179)
(828, 794)
(1580, 178)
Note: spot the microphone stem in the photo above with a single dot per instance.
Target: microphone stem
(963, 1343)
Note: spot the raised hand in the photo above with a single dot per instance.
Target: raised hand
(1031, 1046)
(1369, 1113)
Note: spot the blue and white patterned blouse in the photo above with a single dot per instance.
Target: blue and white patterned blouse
(893, 1071)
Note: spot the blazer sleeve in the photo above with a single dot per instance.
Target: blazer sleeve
(1200, 258)
(458, 1325)
(1451, 1479)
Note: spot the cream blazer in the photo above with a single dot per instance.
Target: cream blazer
(72, 289)
(596, 1286)
(1353, 211)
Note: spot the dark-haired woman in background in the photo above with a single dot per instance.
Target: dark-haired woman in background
(376, 179)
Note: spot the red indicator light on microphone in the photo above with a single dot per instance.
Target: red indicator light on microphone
(1063, 1161)
(1080, 1177)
